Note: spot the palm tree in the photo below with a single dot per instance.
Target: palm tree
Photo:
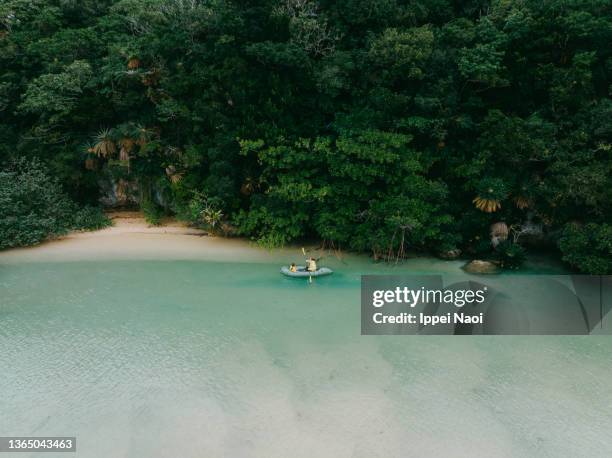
(522, 202)
(248, 187)
(173, 174)
(90, 158)
(521, 198)
(133, 63)
(491, 191)
(105, 145)
(486, 205)
(144, 135)
(211, 216)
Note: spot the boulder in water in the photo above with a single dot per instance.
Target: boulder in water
(450, 254)
(478, 266)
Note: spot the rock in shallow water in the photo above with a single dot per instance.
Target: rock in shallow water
(450, 254)
(478, 266)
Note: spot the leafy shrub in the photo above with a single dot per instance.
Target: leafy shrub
(481, 247)
(91, 218)
(270, 228)
(204, 211)
(152, 212)
(510, 255)
(32, 205)
(492, 189)
(588, 247)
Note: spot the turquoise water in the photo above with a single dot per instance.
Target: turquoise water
(189, 358)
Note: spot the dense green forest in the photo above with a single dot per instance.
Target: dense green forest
(382, 126)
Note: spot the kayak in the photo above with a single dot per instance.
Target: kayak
(302, 272)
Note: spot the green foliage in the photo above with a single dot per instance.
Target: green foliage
(361, 190)
(153, 213)
(482, 63)
(33, 207)
(492, 189)
(204, 211)
(403, 51)
(588, 247)
(510, 255)
(90, 218)
(377, 125)
(57, 91)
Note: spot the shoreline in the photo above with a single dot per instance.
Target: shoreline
(132, 238)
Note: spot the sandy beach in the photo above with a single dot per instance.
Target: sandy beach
(131, 237)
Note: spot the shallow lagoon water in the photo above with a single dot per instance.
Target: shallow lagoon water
(181, 358)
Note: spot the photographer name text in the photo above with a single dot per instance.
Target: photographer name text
(412, 297)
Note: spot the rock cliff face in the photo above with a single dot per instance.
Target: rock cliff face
(126, 193)
(118, 193)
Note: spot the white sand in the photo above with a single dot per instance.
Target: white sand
(131, 237)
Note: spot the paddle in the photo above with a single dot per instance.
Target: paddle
(310, 276)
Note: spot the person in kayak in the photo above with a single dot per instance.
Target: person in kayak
(311, 265)
(293, 267)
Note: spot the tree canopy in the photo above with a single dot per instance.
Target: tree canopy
(366, 123)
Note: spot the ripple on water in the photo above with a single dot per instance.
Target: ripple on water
(210, 359)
